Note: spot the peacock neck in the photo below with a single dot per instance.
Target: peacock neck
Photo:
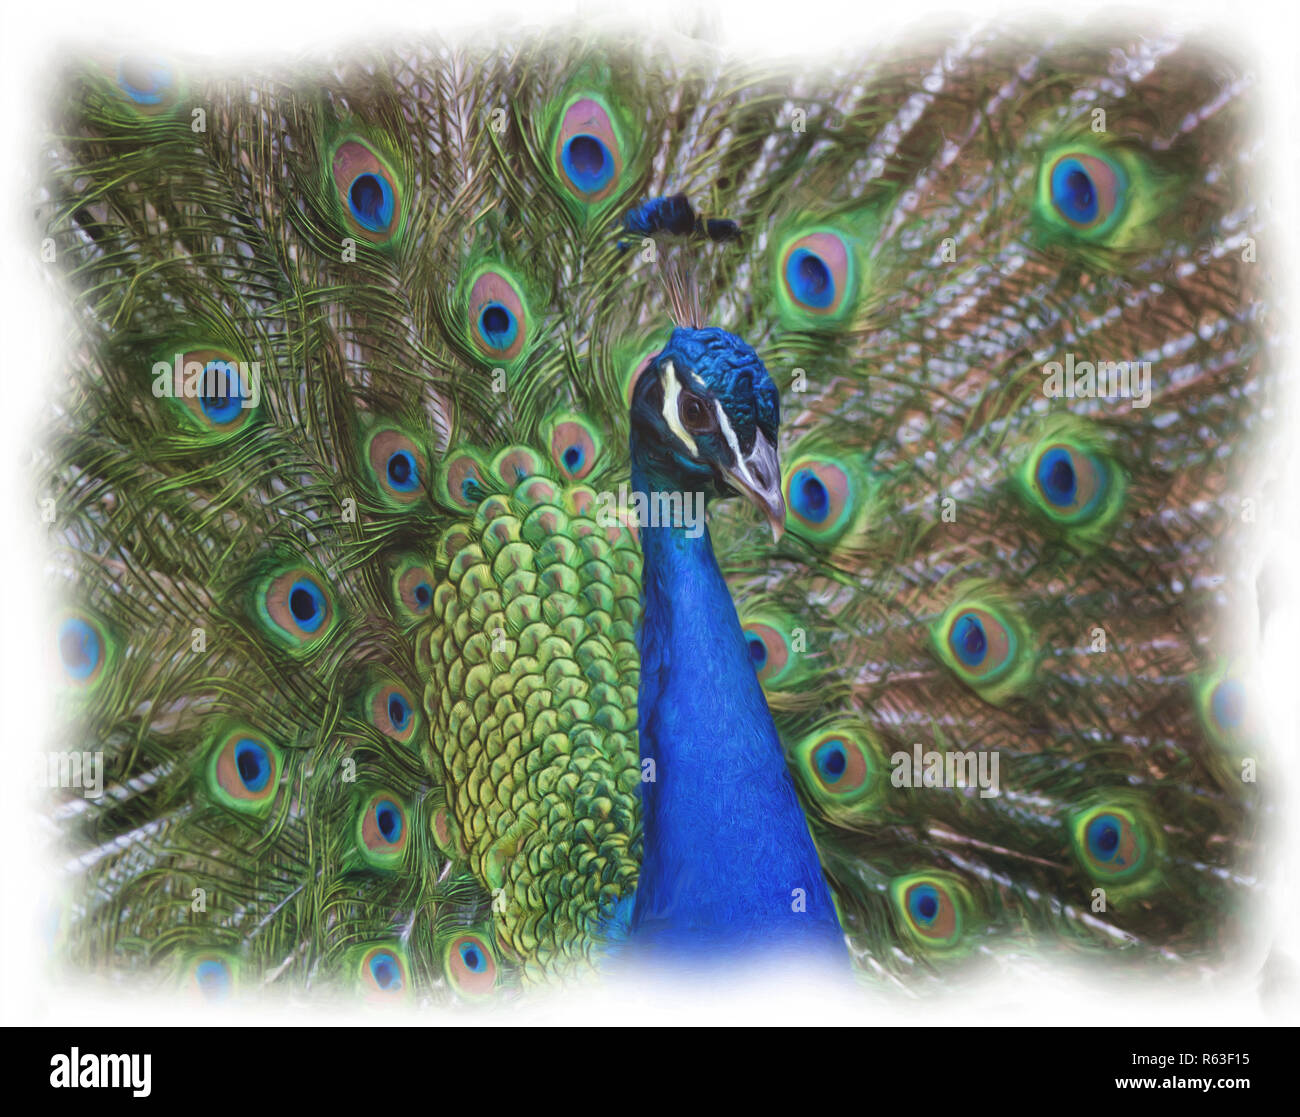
(729, 860)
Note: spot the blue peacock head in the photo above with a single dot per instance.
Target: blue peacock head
(705, 415)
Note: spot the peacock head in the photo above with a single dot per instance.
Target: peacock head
(705, 416)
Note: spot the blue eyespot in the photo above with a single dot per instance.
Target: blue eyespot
(1103, 837)
(253, 764)
(388, 818)
(969, 641)
(307, 604)
(403, 473)
(386, 972)
(587, 163)
(370, 198)
(498, 325)
(1229, 704)
(923, 903)
(809, 279)
(399, 712)
(144, 81)
(1056, 477)
(1086, 190)
(1073, 192)
(473, 958)
(757, 652)
(832, 761)
(213, 978)
(223, 402)
(79, 648)
(809, 496)
(423, 595)
(574, 457)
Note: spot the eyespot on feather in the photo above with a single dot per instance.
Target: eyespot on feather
(816, 275)
(769, 651)
(214, 389)
(575, 447)
(461, 480)
(1227, 708)
(826, 498)
(839, 767)
(82, 648)
(368, 192)
(983, 640)
(1087, 190)
(413, 586)
(980, 642)
(397, 465)
(515, 463)
(1228, 705)
(498, 317)
(931, 909)
(149, 84)
(244, 771)
(1100, 193)
(382, 831)
(588, 151)
(211, 975)
(470, 965)
(1112, 842)
(296, 608)
(392, 711)
(1071, 482)
(382, 974)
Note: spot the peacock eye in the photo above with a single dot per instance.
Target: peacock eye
(695, 414)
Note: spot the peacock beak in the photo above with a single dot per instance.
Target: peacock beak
(757, 476)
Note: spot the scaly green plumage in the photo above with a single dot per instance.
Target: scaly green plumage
(532, 682)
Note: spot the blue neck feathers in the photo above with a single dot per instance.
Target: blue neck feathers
(729, 861)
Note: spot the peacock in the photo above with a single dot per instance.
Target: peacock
(528, 506)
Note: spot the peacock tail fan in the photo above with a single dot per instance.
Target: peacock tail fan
(349, 579)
